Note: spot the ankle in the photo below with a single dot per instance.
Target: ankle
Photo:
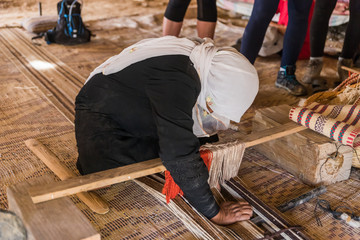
(316, 59)
(288, 69)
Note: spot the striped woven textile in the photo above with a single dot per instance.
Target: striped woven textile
(340, 123)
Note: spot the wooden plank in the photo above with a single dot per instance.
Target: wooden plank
(95, 180)
(272, 133)
(352, 70)
(280, 115)
(56, 220)
(91, 199)
(304, 154)
(121, 174)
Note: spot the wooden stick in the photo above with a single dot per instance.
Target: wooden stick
(272, 133)
(121, 174)
(95, 180)
(91, 199)
(353, 70)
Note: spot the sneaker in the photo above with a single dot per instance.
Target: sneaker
(287, 80)
(312, 71)
(343, 74)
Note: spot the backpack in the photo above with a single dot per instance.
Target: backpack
(70, 29)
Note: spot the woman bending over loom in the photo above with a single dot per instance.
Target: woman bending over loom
(155, 99)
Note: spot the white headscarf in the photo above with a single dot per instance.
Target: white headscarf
(229, 82)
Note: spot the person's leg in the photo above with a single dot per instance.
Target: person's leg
(352, 39)
(174, 16)
(171, 28)
(102, 144)
(295, 31)
(293, 41)
(206, 19)
(262, 13)
(318, 32)
(206, 29)
(319, 26)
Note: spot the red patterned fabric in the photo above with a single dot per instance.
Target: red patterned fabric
(338, 122)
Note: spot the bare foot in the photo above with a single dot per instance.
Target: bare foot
(231, 212)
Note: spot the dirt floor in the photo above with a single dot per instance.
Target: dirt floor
(117, 24)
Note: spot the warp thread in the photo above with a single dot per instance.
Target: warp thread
(222, 160)
(194, 227)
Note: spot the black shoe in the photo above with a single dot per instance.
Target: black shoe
(287, 80)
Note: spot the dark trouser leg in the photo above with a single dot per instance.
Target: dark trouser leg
(255, 30)
(176, 9)
(207, 10)
(296, 30)
(352, 37)
(103, 145)
(319, 26)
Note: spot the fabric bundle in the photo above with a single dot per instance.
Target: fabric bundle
(338, 122)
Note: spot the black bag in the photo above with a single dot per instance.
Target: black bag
(70, 29)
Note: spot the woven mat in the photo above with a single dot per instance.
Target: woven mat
(27, 113)
(275, 186)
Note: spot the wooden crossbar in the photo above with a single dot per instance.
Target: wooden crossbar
(91, 199)
(116, 175)
(352, 70)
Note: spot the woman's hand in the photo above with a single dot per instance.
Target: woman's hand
(231, 212)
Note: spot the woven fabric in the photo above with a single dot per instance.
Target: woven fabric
(338, 122)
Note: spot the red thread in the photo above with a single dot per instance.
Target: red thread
(171, 189)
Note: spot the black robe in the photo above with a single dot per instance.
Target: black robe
(143, 112)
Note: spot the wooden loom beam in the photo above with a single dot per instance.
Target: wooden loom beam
(91, 199)
(116, 175)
